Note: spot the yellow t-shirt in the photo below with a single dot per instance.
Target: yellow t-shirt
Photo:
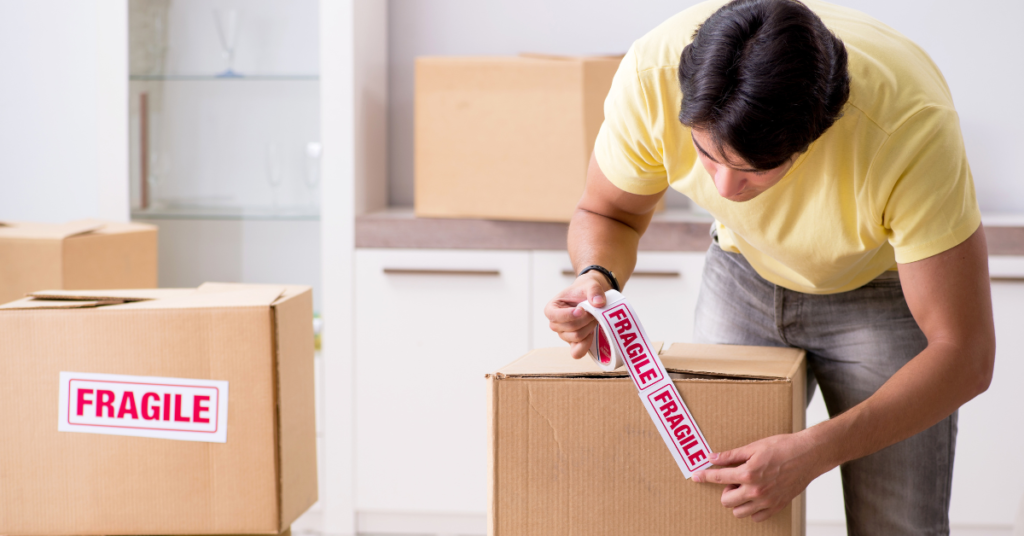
(889, 182)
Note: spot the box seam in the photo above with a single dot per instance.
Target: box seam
(796, 363)
(276, 389)
(492, 456)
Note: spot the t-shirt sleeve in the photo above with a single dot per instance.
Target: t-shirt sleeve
(628, 150)
(931, 206)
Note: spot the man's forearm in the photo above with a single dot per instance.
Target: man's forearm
(597, 239)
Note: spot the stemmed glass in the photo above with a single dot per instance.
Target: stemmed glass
(159, 168)
(312, 176)
(275, 171)
(227, 31)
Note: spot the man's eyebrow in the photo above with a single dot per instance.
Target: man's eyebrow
(705, 153)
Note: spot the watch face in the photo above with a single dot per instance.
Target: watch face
(603, 348)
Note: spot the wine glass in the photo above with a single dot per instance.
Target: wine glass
(227, 31)
(312, 176)
(159, 169)
(275, 171)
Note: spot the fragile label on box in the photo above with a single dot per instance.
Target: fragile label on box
(145, 406)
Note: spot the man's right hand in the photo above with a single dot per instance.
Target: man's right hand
(572, 323)
(605, 230)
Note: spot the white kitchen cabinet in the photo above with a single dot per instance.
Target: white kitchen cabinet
(663, 289)
(429, 325)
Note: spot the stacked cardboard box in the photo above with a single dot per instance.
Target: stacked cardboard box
(506, 138)
(574, 452)
(86, 254)
(157, 411)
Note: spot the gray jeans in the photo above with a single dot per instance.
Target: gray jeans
(854, 341)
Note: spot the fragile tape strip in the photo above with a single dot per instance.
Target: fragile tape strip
(621, 339)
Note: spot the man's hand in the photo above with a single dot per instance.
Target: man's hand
(572, 323)
(605, 230)
(765, 475)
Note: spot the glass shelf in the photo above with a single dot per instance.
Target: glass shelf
(214, 78)
(227, 213)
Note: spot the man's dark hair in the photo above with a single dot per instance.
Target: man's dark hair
(764, 78)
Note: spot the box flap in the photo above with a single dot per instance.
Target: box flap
(216, 295)
(207, 295)
(558, 362)
(53, 231)
(118, 295)
(34, 303)
(541, 56)
(117, 227)
(731, 361)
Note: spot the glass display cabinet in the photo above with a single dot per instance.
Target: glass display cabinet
(224, 109)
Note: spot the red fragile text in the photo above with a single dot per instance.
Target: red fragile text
(149, 408)
(633, 346)
(127, 404)
(675, 419)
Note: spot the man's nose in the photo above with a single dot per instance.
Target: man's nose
(729, 182)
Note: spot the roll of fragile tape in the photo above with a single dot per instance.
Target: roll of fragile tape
(619, 340)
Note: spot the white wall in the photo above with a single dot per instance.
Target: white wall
(978, 49)
(63, 122)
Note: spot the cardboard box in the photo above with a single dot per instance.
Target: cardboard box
(506, 138)
(252, 348)
(85, 254)
(574, 452)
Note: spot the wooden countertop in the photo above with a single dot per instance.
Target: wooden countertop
(671, 230)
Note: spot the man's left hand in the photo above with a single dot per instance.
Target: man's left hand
(764, 476)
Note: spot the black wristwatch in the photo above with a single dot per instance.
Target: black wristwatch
(607, 273)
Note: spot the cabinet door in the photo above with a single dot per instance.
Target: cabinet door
(429, 325)
(663, 289)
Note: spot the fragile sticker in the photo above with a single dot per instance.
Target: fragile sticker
(183, 409)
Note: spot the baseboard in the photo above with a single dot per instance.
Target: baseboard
(428, 524)
(829, 528)
(380, 523)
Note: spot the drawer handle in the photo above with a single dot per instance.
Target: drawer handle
(1007, 278)
(639, 273)
(440, 271)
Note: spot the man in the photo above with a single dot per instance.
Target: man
(827, 147)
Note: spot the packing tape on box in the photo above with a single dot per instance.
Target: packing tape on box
(620, 339)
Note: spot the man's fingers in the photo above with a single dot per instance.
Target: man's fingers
(579, 336)
(747, 509)
(564, 313)
(580, 349)
(728, 475)
(560, 312)
(765, 514)
(575, 325)
(595, 295)
(730, 457)
(734, 495)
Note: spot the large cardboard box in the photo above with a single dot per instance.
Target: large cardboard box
(506, 138)
(85, 254)
(574, 452)
(252, 345)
